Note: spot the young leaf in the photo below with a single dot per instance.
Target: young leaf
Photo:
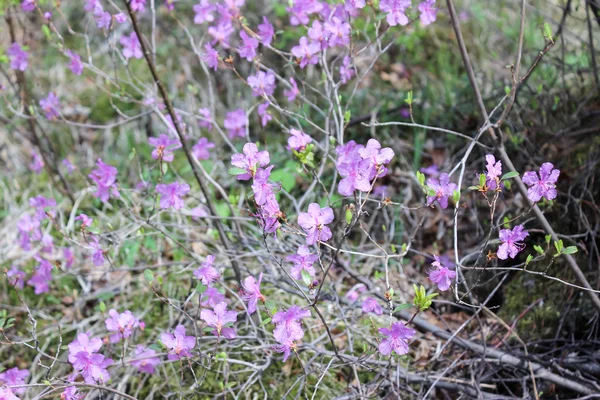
(510, 175)
(348, 216)
(306, 278)
(421, 178)
(148, 275)
(538, 249)
(265, 321)
(456, 196)
(570, 250)
(236, 171)
(528, 260)
(482, 179)
(402, 307)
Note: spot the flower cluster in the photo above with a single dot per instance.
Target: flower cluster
(121, 324)
(288, 329)
(105, 177)
(85, 359)
(177, 343)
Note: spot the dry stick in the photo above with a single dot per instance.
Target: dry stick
(506, 159)
(184, 146)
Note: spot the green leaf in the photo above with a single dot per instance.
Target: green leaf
(200, 288)
(548, 32)
(538, 249)
(236, 171)
(347, 116)
(456, 196)
(102, 306)
(402, 307)
(482, 179)
(473, 187)
(421, 178)
(306, 278)
(46, 31)
(148, 275)
(348, 216)
(559, 246)
(548, 238)
(570, 250)
(529, 258)
(287, 179)
(431, 192)
(265, 321)
(510, 175)
(409, 98)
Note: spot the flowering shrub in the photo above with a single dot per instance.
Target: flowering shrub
(254, 229)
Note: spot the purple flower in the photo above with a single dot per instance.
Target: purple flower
(433, 170)
(263, 190)
(199, 212)
(29, 228)
(105, 177)
(210, 57)
(370, 305)
(71, 393)
(262, 84)
(395, 11)
(37, 163)
(177, 343)
(346, 71)
(339, 32)
(288, 327)
(251, 292)
(248, 47)
(170, 4)
(204, 12)
(317, 34)
(266, 32)
(353, 5)
(83, 357)
(200, 149)
(85, 220)
(14, 377)
(40, 280)
(16, 277)
(27, 6)
(40, 203)
(303, 261)
(268, 216)
(375, 158)
(102, 17)
(221, 33)
(18, 57)
(84, 344)
(145, 359)
(428, 12)
(302, 9)
(171, 194)
(120, 17)
(348, 152)
(138, 5)
(211, 297)
(122, 324)
(512, 242)
(70, 167)
(235, 123)
(50, 106)
(306, 52)
(443, 189)
(354, 176)
(298, 140)
(292, 92)
(542, 186)
(75, 63)
(265, 116)
(131, 46)
(98, 256)
(206, 120)
(219, 318)
(207, 273)
(7, 394)
(494, 169)
(90, 5)
(442, 275)
(69, 257)
(396, 339)
(250, 161)
(314, 223)
(163, 147)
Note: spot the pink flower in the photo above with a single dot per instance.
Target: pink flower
(75, 63)
(248, 47)
(204, 12)
(302, 9)
(263, 190)
(163, 147)
(69, 257)
(265, 116)
(207, 273)
(211, 57)
(85, 220)
(303, 261)
(512, 242)
(83, 357)
(317, 34)
(18, 57)
(293, 91)
(266, 32)
(105, 177)
(27, 6)
(138, 5)
(250, 161)
(354, 293)
(314, 223)
(235, 123)
(306, 52)
(7, 394)
(199, 212)
(353, 5)
(102, 17)
(41, 277)
(370, 305)
(346, 71)
(98, 255)
(144, 359)
(16, 277)
(83, 343)
(122, 324)
(50, 106)
(395, 11)
(177, 343)
(494, 171)
(219, 318)
(14, 377)
(37, 163)
(442, 275)
(396, 339)
(542, 186)
(433, 171)
(221, 34)
(251, 292)
(200, 149)
(262, 84)
(171, 194)
(205, 120)
(170, 4)
(131, 46)
(375, 158)
(288, 327)
(211, 297)
(443, 189)
(428, 12)
(298, 140)
(40, 203)
(354, 177)
(121, 17)
(339, 32)
(71, 393)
